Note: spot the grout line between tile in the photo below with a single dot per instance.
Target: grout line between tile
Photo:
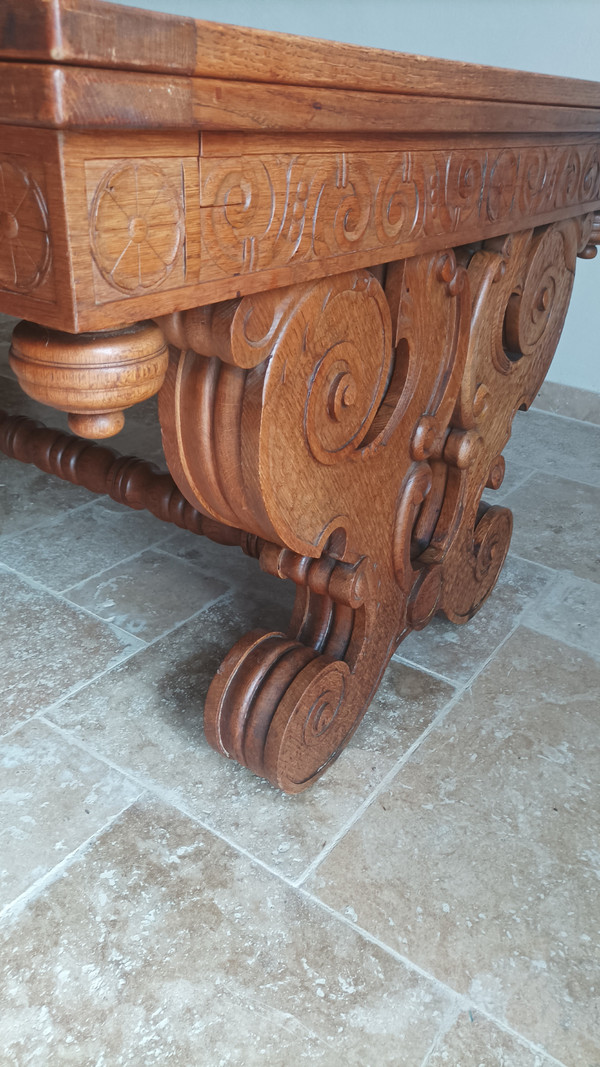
(462, 1000)
(33, 583)
(399, 658)
(13, 909)
(122, 660)
(547, 474)
(439, 1037)
(149, 786)
(529, 624)
(543, 566)
(164, 633)
(566, 418)
(47, 521)
(111, 566)
(17, 726)
(389, 777)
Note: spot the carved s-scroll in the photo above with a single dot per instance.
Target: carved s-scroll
(521, 290)
(280, 209)
(271, 423)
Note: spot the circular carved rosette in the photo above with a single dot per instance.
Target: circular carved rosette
(137, 227)
(24, 239)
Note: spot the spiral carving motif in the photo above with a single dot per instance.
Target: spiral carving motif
(521, 290)
(492, 538)
(286, 208)
(280, 709)
(537, 309)
(535, 175)
(399, 202)
(464, 180)
(353, 423)
(347, 381)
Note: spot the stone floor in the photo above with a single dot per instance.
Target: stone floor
(434, 900)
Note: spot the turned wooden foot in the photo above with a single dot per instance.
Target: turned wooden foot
(91, 376)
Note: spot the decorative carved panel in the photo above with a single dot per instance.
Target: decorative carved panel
(267, 211)
(25, 248)
(137, 226)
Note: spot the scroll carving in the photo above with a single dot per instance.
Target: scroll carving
(338, 411)
(521, 288)
(272, 211)
(359, 421)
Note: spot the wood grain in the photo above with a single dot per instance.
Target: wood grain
(91, 376)
(144, 224)
(343, 270)
(73, 97)
(86, 32)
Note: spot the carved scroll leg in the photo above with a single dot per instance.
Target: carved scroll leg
(308, 416)
(284, 705)
(521, 286)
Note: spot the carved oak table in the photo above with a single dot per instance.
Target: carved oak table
(343, 270)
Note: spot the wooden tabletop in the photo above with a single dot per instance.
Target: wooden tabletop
(85, 63)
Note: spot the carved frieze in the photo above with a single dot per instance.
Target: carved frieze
(148, 232)
(275, 210)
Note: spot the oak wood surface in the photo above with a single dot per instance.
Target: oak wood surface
(89, 32)
(343, 270)
(71, 97)
(104, 228)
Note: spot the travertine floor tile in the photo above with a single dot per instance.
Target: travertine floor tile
(16, 402)
(475, 1042)
(161, 945)
(556, 524)
(28, 497)
(480, 862)
(569, 611)
(48, 648)
(7, 325)
(155, 730)
(556, 446)
(53, 797)
(241, 570)
(566, 400)
(457, 652)
(140, 435)
(148, 595)
(79, 545)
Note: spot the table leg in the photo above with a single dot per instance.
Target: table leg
(359, 419)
